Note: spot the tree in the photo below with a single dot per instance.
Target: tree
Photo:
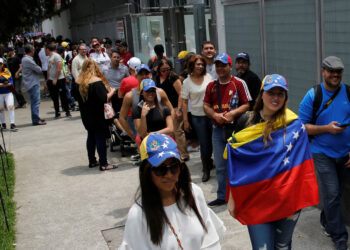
(19, 15)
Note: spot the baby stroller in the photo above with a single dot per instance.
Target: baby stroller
(119, 138)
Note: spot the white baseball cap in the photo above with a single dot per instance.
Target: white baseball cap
(1, 60)
(134, 62)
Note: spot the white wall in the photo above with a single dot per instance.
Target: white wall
(58, 25)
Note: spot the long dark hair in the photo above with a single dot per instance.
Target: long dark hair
(151, 202)
(161, 63)
(281, 113)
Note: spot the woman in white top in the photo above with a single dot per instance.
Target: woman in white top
(193, 89)
(170, 212)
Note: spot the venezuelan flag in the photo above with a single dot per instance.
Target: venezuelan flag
(271, 182)
(7, 75)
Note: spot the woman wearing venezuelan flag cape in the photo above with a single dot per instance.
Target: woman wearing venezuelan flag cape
(270, 169)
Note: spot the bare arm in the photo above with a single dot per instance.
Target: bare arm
(210, 112)
(169, 129)
(233, 114)
(187, 125)
(127, 101)
(331, 128)
(18, 71)
(165, 101)
(59, 68)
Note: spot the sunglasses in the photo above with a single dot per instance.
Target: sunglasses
(163, 169)
(165, 70)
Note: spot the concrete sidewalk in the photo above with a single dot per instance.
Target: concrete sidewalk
(62, 204)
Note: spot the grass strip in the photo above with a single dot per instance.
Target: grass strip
(7, 238)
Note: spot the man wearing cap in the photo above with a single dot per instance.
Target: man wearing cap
(183, 58)
(100, 57)
(225, 100)
(31, 78)
(130, 82)
(208, 51)
(251, 79)
(330, 145)
(132, 98)
(124, 53)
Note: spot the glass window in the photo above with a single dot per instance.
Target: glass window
(243, 33)
(147, 32)
(291, 45)
(336, 32)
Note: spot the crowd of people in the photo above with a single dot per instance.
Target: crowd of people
(260, 149)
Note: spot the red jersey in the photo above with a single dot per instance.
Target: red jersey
(126, 57)
(127, 84)
(227, 91)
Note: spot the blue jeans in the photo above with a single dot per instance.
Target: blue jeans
(273, 235)
(68, 93)
(332, 176)
(34, 93)
(97, 140)
(203, 127)
(219, 144)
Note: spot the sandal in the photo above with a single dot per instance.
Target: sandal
(108, 167)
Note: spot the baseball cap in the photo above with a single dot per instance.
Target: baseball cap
(243, 55)
(60, 49)
(181, 56)
(156, 148)
(1, 60)
(224, 58)
(147, 84)
(332, 62)
(95, 43)
(134, 62)
(274, 80)
(142, 66)
(64, 44)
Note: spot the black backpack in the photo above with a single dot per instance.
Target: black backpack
(318, 100)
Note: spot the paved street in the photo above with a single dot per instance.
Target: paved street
(62, 204)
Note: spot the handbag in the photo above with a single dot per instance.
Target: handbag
(108, 110)
(228, 127)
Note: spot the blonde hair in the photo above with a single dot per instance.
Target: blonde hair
(270, 124)
(89, 70)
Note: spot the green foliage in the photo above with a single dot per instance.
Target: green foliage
(18, 15)
(7, 238)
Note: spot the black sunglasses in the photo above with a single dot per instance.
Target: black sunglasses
(332, 71)
(165, 70)
(163, 169)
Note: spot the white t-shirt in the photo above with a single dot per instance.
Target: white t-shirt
(102, 60)
(196, 94)
(186, 226)
(44, 59)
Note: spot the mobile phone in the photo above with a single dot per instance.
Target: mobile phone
(140, 104)
(344, 125)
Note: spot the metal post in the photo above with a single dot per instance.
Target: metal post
(199, 25)
(4, 210)
(3, 141)
(213, 30)
(3, 170)
(262, 37)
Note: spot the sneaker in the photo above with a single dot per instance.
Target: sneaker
(3, 126)
(136, 157)
(217, 202)
(325, 232)
(57, 115)
(68, 114)
(13, 128)
(137, 163)
(342, 245)
(192, 149)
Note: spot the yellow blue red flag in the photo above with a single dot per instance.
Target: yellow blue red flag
(271, 182)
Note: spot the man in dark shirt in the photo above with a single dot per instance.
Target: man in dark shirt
(251, 79)
(14, 65)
